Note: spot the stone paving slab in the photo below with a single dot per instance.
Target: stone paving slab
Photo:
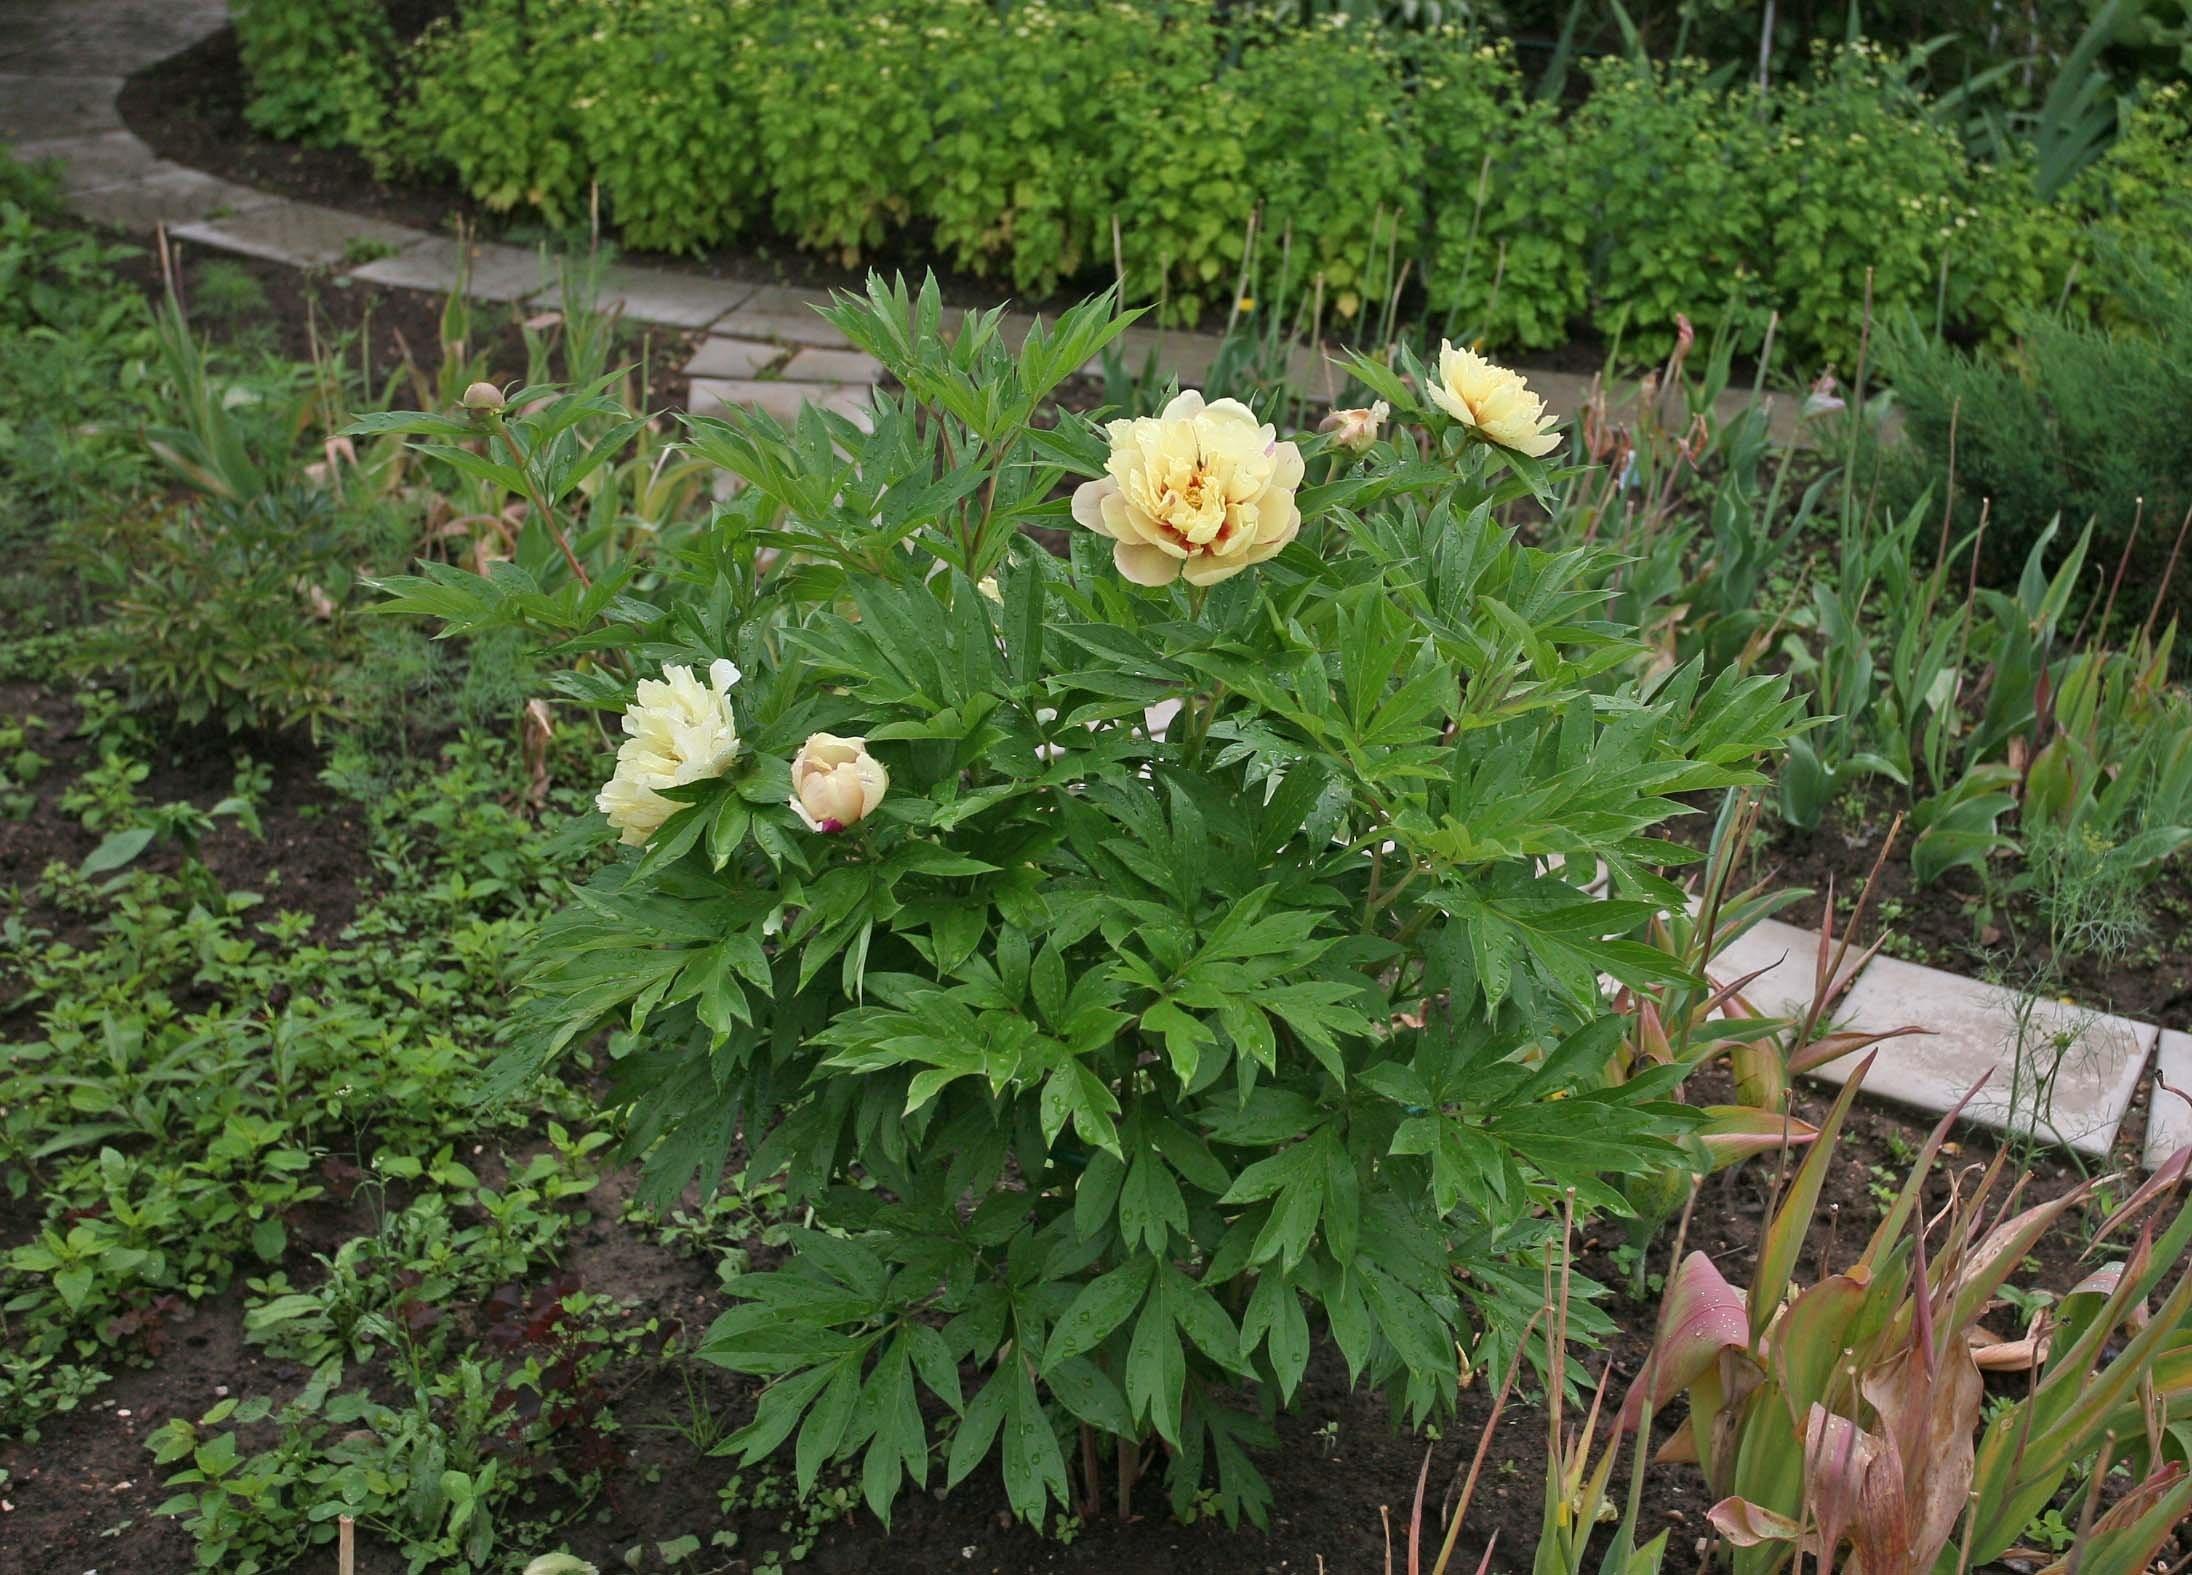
(833, 366)
(656, 295)
(2101, 1057)
(498, 273)
(774, 397)
(303, 234)
(95, 160)
(58, 106)
(73, 38)
(2169, 1117)
(786, 315)
(731, 359)
(173, 196)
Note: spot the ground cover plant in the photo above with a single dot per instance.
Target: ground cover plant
(1328, 937)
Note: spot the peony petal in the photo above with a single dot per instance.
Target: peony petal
(1186, 405)
(1088, 502)
(1144, 564)
(1209, 571)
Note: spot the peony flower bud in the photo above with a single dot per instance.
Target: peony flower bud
(836, 783)
(679, 730)
(482, 396)
(1356, 430)
(1494, 401)
(1202, 491)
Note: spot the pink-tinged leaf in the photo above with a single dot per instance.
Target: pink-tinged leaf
(1832, 1047)
(1680, 1448)
(2001, 1250)
(1749, 1525)
(2166, 1176)
(1930, 1413)
(1736, 1132)
(1854, 1486)
(1704, 1315)
(1808, 1339)
(2010, 1356)
(1784, 1237)
(1732, 991)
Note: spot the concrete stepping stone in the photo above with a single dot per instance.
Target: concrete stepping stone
(833, 366)
(725, 359)
(96, 159)
(2096, 1059)
(656, 295)
(498, 273)
(2169, 1116)
(58, 106)
(303, 234)
(173, 196)
(778, 398)
(785, 315)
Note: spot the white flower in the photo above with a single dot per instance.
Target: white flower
(1202, 491)
(836, 783)
(680, 730)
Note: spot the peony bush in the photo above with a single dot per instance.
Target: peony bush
(1148, 959)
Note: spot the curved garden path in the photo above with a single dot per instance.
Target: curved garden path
(62, 65)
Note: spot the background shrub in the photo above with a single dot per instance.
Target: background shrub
(1332, 160)
(1505, 234)
(1011, 137)
(492, 96)
(2079, 419)
(663, 121)
(319, 69)
(845, 118)
(1025, 116)
(1671, 166)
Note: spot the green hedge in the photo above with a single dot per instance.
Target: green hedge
(1009, 137)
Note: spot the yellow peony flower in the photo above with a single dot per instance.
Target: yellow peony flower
(1493, 400)
(1202, 490)
(836, 783)
(680, 730)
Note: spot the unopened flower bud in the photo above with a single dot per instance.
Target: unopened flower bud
(1356, 430)
(483, 396)
(836, 783)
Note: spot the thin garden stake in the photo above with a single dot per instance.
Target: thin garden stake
(2123, 561)
(2169, 572)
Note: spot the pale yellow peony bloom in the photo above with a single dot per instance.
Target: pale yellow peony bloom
(680, 730)
(1356, 430)
(836, 783)
(1493, 400)
(1202, 490)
